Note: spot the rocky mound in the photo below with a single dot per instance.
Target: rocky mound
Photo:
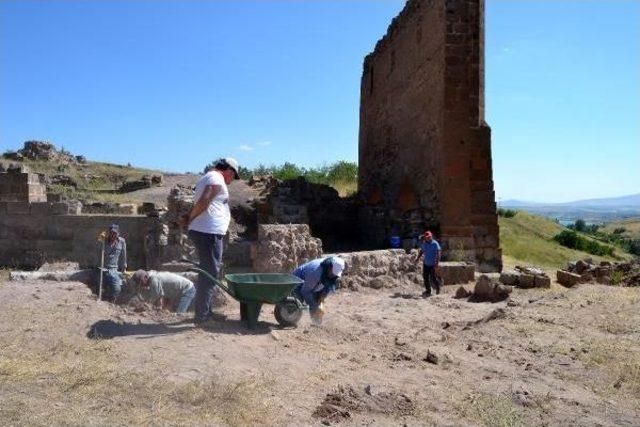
(44, 151)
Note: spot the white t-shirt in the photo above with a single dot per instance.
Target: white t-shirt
(215, 219)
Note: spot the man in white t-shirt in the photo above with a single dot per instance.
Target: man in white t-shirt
(208, 223)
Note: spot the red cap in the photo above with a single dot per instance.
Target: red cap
(427, 234)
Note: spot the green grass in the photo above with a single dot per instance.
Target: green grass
(528, 239)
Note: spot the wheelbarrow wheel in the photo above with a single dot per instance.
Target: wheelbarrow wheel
(288, 312)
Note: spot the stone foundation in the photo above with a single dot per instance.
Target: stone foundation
(32, 234)
(393, 267)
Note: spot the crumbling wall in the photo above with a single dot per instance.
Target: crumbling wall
(281, 248)
(19, 185)
(34, 233)
(331, 218)
(424, 148)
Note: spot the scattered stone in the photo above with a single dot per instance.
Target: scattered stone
(461, 293)
(147, 181)
(64, 180)
(606, 273)
(568, 279)
(509, 278)
(402, 357)
(487, 291)
(431, 358)
(527, 281)
(400, 342)
(542, 282)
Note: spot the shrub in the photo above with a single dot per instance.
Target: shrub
(507, 213)
(573, 240)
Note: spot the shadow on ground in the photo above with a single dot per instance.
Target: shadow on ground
(218, 323)
(107, 329)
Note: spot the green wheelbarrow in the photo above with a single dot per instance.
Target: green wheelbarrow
(252, 290)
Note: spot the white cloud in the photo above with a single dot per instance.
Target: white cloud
(245, 147)
(264, 143)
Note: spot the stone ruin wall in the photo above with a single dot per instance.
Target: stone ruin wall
(424, 147)
(34, 233)
(18, 185)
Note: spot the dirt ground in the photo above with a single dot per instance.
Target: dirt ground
(385, 357)
(240, 192)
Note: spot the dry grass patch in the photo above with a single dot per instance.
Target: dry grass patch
(619, 361)
(488, 409)
(66, 383)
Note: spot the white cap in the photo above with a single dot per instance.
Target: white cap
(233, 164)
(337, 265)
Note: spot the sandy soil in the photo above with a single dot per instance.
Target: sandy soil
(387, 357)
(239, 191)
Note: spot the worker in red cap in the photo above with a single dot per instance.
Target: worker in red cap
(431, 251)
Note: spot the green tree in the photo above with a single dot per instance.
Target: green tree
(580, 225)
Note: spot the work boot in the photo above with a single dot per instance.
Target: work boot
(426, 294)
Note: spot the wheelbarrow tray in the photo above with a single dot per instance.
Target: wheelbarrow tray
(266, 288)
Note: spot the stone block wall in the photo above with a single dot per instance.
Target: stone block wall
(424, 147)
(298, 201)
(393, 267)
(31, 234)
(18, 186)
(280, 248)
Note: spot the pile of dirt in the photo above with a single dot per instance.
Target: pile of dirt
(340, 404)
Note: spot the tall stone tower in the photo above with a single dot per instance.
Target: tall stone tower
(424, 146)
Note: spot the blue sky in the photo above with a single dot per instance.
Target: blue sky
(172, 85)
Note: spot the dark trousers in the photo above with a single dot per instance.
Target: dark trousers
(431, 280)
(209, 247)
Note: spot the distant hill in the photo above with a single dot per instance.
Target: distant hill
(591, 210)
(632, 200)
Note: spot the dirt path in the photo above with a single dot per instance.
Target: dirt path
(239, 191)
(547, 357)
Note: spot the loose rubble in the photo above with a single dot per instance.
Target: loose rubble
(525, 277)
(488, 291)
(606, 273)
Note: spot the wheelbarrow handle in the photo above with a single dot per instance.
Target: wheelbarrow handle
(213, 279)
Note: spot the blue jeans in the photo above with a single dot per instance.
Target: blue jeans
(112, 283)
(185, 300)
(308, 296)
(209, 247)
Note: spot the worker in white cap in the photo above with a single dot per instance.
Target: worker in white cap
(320, 276)
(208, 223)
